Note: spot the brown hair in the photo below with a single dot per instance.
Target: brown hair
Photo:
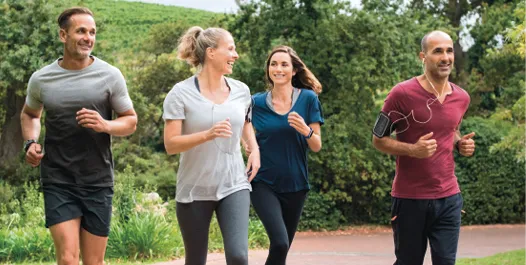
(63, 19)
(193, 44)
(303, 78)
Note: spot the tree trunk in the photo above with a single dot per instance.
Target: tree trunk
(460, 77)
(11, 138)
(456, 9)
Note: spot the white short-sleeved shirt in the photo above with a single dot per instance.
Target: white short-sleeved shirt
(214, 169)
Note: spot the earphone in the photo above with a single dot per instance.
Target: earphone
(411, 113)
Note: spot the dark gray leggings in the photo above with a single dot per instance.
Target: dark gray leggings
(280, 214)
(232, 215)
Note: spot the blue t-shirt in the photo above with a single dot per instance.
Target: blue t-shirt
(283, 150)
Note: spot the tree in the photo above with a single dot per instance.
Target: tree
(517, 35)
(456, 11)
(148, 91)
(28, 41)
(495, 61)
(164, 37)
(515, 39)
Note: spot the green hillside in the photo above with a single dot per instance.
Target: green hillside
(124, 24)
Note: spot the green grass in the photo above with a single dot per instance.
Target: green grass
(125, 24)
(516, 257)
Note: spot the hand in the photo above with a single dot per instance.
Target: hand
(253, 164)
(297, 122)
(221, 129)
(425, 147)
(91, 119)
(34, 154)
(466, 145)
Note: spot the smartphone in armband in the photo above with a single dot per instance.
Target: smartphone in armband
(382, 126)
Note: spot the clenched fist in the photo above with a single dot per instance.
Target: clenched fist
(425, 147)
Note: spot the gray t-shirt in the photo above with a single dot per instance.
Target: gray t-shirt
(75, 155)
(214, 169)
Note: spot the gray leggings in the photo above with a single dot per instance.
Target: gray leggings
(232, 215)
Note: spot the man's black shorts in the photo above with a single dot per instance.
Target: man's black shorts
(92, 204)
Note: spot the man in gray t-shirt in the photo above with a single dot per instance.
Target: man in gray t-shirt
(79, 93)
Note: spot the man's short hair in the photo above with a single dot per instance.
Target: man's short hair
(63, 19)
(423, 43)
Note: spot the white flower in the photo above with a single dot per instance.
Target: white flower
(152, 196)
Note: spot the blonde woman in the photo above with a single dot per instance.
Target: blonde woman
(205, 117)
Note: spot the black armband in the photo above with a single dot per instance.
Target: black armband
(383, 126)
(248, 116)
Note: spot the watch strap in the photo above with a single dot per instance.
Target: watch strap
(28, 143)
(310, 133)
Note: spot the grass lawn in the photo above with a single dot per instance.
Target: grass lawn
(516, 257)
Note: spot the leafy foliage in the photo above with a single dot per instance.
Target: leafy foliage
(28, 41)
(25, 48)
(493, 191)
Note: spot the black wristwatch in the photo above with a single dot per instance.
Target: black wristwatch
(310, 133)
(28, 143)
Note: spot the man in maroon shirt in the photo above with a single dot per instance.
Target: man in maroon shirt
(425, 112)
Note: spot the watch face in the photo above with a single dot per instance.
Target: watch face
(28, 143)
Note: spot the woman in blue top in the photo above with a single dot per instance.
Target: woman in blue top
(287, 119)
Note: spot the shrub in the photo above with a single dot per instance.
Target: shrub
(26, 244)
(320, 213)
(144, 235)
(492, 183)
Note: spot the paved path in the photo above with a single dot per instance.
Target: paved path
(375, 247)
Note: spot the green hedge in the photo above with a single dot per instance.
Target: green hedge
(492, 181)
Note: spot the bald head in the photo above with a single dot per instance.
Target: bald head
(424, 44)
